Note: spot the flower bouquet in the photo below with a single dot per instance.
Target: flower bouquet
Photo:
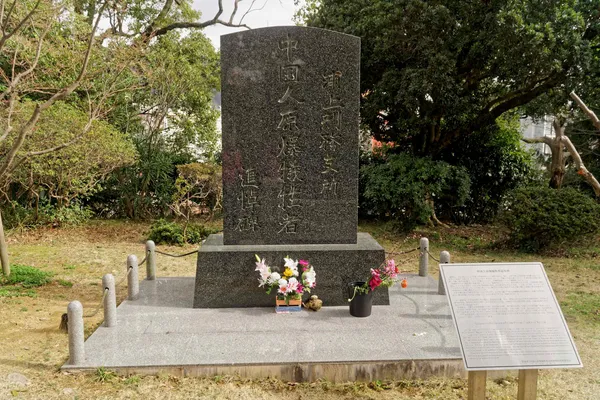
(361, 293)
(290, 284)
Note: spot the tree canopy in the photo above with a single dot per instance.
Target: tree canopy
(433, 72)
(75, 170)
(141, 77)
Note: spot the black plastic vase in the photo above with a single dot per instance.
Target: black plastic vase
(360, 305)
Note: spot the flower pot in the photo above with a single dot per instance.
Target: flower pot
(360, 305)
(283, 306)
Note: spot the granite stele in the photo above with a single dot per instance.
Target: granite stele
(290, 110)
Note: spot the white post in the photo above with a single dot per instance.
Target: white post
(75, 325)
(150, 260)
(110, 301)
(444, 259)
(133, 284)
(3, 251)
(424, 256)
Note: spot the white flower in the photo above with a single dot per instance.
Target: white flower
(262, 267)
(264, 270)
(265, 276)
(310, 277)
(275, 277)
(261, 264)
(291, 264)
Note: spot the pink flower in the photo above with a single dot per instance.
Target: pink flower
(283, 289)
(283, 286)
(293, 285)
(304, 263)
(390, 269)
(300, 289)
(375, 280)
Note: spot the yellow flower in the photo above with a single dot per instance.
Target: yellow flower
(288, 272)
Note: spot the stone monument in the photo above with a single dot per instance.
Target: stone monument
(290, 112)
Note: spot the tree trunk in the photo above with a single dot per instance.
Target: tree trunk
(433, 219)
(581, 169)
(3, 250)
(557, 167)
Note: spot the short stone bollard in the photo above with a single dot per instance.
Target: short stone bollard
(110, 301)
(424, 256)
(76, 346)
(133, 284)
(150, 260)
(444, 259)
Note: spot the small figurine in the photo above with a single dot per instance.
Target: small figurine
(314, 303)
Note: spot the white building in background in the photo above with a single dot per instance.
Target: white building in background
(538, 128)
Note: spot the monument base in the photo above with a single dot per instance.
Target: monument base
(226, 276)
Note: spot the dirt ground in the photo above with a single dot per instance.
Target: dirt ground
(31, 344)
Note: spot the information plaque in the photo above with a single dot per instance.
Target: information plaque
(507, 317)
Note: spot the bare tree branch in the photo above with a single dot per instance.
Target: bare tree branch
(1, 12)
(11, 108)
(250, 9)
(200, 25)
(196, 25)
(235, 8)
(581, 169)
(543, 139)
(161, 15)
(586, 110)
(6, 36)
(15, 81)
(10, 10)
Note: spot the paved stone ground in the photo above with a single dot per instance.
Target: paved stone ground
(162, 329)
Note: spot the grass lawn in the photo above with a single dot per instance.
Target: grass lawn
(78, 257)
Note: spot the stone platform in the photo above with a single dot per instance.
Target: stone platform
(225, 275)
(413, 337)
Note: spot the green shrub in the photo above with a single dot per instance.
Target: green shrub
(19, 216)
(539, 217)
(497, 163)
(197, 233)
(27, 276)
(165, 232)
(398, 187)
(14, 215)
(74, 214)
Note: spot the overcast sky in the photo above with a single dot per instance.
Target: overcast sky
(274, 13)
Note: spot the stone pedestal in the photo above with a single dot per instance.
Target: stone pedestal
(225, 275)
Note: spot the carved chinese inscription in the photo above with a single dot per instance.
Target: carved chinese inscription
(248, 201)
(289, 201)
(290, 101)
(331, 121)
